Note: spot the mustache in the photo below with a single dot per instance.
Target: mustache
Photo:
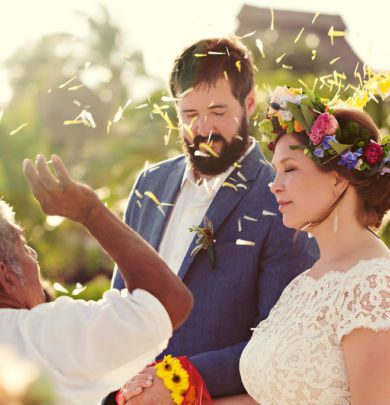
(213, 137)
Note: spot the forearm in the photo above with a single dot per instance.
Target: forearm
(140, 264)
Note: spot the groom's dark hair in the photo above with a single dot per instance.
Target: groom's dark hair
(208, 60)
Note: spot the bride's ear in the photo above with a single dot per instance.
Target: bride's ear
(340, 184)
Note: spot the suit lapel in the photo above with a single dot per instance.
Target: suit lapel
(172, 187)
(227, 199)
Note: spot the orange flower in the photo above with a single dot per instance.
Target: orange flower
(297, 126)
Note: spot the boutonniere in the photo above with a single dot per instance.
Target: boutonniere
(205, 240)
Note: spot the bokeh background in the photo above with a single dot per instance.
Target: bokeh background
(87, 80)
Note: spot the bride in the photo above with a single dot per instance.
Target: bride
(327, 340)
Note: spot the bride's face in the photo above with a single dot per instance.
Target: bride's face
(304, 193)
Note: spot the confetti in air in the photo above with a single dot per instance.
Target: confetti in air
(227, 184)
(155, 200)
(315, 17)
(334, 60)
(332, 34)
(272, 19)
(238, 65)
(268, 213)
(248, 35)
(278, 60)
(313, 54)
(61, 86)
(60, 288)
(208, 148)
(18, 129)
(299, 35)
(260, 47)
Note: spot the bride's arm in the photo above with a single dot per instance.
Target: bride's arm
(235, 400)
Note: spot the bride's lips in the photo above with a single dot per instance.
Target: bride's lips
(283, 204)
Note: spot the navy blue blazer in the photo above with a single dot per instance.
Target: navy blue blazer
(247, 281)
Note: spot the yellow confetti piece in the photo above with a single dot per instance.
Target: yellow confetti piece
(181, 95)
(208, 148)
(200, 55)
(332, 34)
(61, 86)
(334, 60)
(235, 164)
(242, 186)
(303, 83)
(74, 88)
(109, 124)
(313, 54)
(241, 176)
(260, 47)
(73, 122)
(356, 68)
(188, 129)
(278, 60)
(289, 67)
(239, 225)
(155, 200)
(315, 17)
(139, 203)
(215, 53)
(141, 106)
(242, 242)
(299, 35)
(226, 75)
(49, 91)
(248, 35)
(19, 128)
(227, 184)
(238, 65)
(272, 19)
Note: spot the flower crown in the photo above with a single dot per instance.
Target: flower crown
(293, 111)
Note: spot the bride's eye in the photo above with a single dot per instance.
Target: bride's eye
(289, 169)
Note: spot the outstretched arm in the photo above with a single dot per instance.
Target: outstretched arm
(140, 264)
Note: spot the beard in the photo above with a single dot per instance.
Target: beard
(230, 151)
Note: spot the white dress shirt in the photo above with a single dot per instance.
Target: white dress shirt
(89, 348)
(190, 208)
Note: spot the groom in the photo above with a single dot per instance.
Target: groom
(220, 187)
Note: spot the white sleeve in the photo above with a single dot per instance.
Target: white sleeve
(101, 343)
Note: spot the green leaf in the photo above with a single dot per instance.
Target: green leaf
(307, 115)
(339, 147)
(296, 112)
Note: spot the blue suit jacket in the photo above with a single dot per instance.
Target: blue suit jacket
(247, 281)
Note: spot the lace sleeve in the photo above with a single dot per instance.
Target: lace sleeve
(364, 301)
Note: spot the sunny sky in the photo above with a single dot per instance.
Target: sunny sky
(162, 28)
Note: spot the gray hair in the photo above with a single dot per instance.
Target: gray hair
(10, 234)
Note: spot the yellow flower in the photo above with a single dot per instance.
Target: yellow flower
(167, 366)
(384, 85)
(178, 397)
(177, 381)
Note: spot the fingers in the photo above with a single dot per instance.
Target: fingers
(44, 174)
(32, 177)
(135, 386)
(61, 172)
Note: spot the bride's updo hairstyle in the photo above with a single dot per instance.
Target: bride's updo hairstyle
(373, 189)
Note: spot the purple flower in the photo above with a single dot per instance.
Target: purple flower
(319, 152)
(349, 159)
(327, 139)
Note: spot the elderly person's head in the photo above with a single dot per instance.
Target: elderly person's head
(20, 285)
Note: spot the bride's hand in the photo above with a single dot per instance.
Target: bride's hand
(135, 387)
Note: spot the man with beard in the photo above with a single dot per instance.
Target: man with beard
(223, 234)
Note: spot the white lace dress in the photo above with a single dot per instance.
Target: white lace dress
(295, 356)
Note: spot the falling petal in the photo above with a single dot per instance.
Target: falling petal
(227, 184)
(139, 203)
(226, 75)
(289, 67)
(76, 102)
(212, 152)
(73, 122)
(278, 60)
(315, 17)
(200, 55)
(238, 65)
(233, 179)
(334, 60)
(248, 218)
(241, 176)
(185, 92)
(235, 164)
(215, 53)
(239, 225)
(138, 194)
(313, 54)
(299, 35)
(202, 154)
(272, 19)
(141, 106)
(19, 128)
(109, 124)
(118, 115)
(60, 288)
(268, 213)
(79, 289)
(153, 169)
(74, 88)
(242, 186)
(61, 86)
(260, 47)
(248, 35)
(242, 242)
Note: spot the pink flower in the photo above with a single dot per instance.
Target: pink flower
(325, 124)
(373, 153)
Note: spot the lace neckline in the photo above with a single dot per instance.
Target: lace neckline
(333, 273)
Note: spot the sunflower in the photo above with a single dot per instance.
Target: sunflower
(178, 380)
(166, 367)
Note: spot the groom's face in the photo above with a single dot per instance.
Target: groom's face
(213, 116)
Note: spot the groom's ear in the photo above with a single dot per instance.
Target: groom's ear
(250, 102)
(8, 279)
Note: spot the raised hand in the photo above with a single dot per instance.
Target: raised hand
(59, 194)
